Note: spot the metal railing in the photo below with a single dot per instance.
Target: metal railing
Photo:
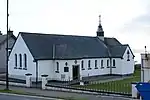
(110, 87)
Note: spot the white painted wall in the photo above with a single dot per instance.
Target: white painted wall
(127, 66)
(21, 48)
(46, 67)
(49, 67)
(83, 73)
(68, 75)
(93, 71)
(118, 66)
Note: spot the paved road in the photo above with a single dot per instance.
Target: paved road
(50, 93)
(21, 97)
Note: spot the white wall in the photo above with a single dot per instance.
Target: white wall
(68, 75)
(83, 73)
(117, 69)
(127, 66)
(21, 48)
(46, 67)
(93, 71)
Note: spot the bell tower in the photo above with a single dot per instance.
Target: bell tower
(100, 32)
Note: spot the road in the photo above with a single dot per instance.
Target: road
(5, 96)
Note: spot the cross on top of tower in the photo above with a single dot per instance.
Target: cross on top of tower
(99, 19)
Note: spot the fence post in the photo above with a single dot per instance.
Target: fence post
(81, 81)
(28, 80)
(44, 81)
(135, 93)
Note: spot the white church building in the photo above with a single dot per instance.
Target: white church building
(69, 57)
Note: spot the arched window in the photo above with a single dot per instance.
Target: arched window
(15, 61)
(82, 65)
(128, 55)
(96, 64)
(102, 64)
(20, 57)
(89, 64)
(57, 67)
(107, 63)
(25, 61)
(114, 63)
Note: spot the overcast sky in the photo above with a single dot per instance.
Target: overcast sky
(126, 20)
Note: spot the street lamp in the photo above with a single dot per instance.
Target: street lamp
(7, 83)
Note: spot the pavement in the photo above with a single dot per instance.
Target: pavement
(7, 96)
(58, 94)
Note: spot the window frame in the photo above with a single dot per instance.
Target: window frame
(102, 64)
(25, 61)
(96, 64)
(114, 63)
(108, 64)
(66, 69)
(82, 65)
(16, 61)
(128, 55)
(57, 67)
(89, 65)
(20, 61)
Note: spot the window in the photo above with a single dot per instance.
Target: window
(66, 69)
(82, 65)
(57, 67)
(102, 64)
(128, 55)
(96, 64)
(15, 61)
(25, 62)
(89, 65)
(66, 64)
(107, 63)
(20, 57)
(114, 63)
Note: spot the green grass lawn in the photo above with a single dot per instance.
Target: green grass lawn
(121, 86)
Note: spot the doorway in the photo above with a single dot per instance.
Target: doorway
(75, 72)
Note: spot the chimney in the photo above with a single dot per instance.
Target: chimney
(1, 33)
(100, 32)
(10, 32)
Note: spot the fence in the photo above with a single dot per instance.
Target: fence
(109, 84)
(111, 87)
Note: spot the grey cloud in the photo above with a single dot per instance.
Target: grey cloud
(140, 24)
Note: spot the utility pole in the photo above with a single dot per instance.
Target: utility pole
(7, 83)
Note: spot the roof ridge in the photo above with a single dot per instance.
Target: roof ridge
(57, 34)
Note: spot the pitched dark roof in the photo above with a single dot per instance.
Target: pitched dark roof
(49, 46)
(118, 50)
(115, 47)
(42, 46)
(4, 37)
(111, 42)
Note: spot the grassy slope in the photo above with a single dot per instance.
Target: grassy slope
(123, 86)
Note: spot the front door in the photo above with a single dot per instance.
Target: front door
(75, 72)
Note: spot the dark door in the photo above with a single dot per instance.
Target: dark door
(75, 72)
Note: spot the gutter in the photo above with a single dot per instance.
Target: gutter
(36, 72)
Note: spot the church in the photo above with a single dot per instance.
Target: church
(69, 57)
